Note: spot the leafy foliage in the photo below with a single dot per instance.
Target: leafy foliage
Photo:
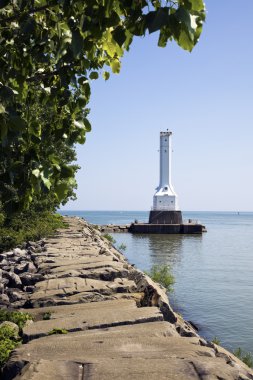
(50, 52)
(245, 357)
(162, 274)
(9, 338)
(216, 340)
(110, 238)
(28, 226)
(8, 341)
(15, 317)
(122, 247)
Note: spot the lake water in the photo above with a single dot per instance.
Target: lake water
(213, 272)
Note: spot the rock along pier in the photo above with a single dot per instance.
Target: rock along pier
(97, 317)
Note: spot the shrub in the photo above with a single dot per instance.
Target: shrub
(245, 357)
(9, 339)
(216, 340)
(57, 331)
(28, 226)
(110, 238)
(122, 247)
(162, 274)
(15, 317)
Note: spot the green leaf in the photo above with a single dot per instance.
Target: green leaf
(67, 171)
(36, 173)
(87, 125)
(2, 109)
(157, 19)
(79, 123)
(83, 124)
(61, 190)
(94, 75)
(115, 66)
(119, 35)
(47, 183)
(76, 43)
(106, 75)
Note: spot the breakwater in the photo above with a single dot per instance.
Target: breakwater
(118, 323)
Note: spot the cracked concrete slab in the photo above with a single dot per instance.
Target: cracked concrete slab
(86, 316)
(130, 352)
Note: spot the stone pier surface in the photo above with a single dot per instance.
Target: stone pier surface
(97, 317)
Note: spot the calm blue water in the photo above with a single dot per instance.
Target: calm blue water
(213, 272)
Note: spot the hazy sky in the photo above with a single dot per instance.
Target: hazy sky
(205, 98)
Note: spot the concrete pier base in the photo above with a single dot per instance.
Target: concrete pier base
(147, 228)
(165, 217)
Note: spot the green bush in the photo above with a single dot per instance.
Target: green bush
(28, 226)
(216, 340)
(122, 247)
(109, 238)
(15, 317)
(162, 274)
(245, 357)
(9, 339)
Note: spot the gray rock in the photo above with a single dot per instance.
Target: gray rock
(3, 262)
(4, 299)
(20, 268)
(31, 268)
(32, 244)
(30, 278)
(14, 280)
(16, 295)
(29, 289)
(19, 252)
(4, 282)
(6, 268)
(5, 255)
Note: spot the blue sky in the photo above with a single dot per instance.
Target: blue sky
(205, 98)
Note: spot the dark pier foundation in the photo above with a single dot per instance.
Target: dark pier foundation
(166, 222)
(146, 228)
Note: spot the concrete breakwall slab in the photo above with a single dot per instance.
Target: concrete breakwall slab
(97, 317)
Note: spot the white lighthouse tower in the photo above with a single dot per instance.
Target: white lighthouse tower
(165, 201)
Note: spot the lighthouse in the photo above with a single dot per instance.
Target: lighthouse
(165, 208)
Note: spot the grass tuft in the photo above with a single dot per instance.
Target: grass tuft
(162, 274)
(109, 238)
(245, 357)
(57, 331)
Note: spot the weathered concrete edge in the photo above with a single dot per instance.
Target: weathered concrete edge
(155, 295)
